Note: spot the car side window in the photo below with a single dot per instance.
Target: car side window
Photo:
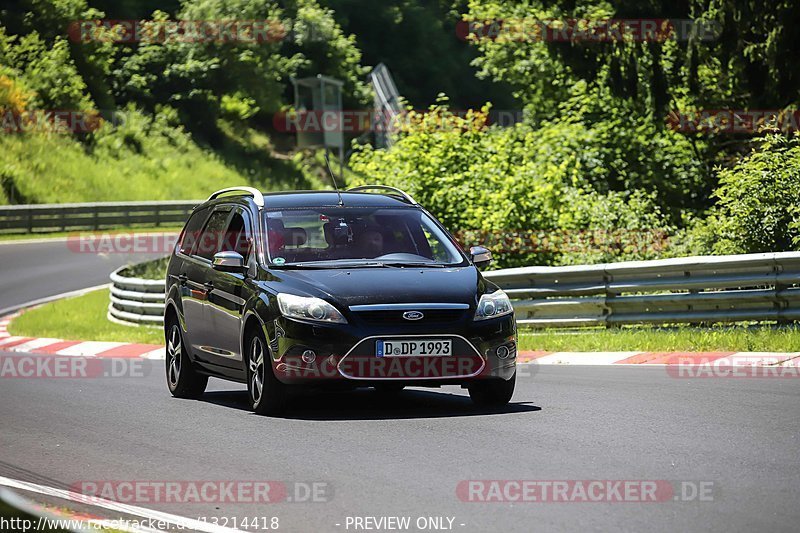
(191, 233)
(213, 234)
(237, 235)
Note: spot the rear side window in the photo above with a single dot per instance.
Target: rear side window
(213, 235)
(191, 232)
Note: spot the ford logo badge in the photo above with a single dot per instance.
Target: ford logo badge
(412, 315)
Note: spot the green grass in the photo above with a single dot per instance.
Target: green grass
(37, 168)
(84, 318)
(649, 339)
(145, 159)
(81, 318)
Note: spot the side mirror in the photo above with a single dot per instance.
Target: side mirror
(480, 256)
(228, 262)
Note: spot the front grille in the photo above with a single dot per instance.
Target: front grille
(430, 316)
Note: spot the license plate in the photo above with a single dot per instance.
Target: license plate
(414, 348)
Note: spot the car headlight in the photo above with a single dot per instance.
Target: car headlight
(309, 309)
(493, 305)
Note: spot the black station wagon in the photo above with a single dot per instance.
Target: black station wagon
(362, 288)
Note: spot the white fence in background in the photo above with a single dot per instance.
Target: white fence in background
(95, 216)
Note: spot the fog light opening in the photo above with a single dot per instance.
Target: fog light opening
(309, 356)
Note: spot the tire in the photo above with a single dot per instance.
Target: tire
(267, 395)
(492, 393)
(389, 389)
(183, 380)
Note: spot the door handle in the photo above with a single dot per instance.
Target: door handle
(183, 278)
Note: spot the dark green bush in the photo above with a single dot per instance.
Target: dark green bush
(758, 203)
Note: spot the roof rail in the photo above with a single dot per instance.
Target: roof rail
(394, 190)
(258, 198)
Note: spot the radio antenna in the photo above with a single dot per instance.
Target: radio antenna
(333, 178)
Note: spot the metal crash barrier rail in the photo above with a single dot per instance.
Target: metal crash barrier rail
(753, 287)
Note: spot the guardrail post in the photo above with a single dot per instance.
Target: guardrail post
(608, 298)
(779, 303)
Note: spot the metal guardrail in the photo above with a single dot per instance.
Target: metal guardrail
(754, 287)
(735, 288)
(136, 300)
(95, 216)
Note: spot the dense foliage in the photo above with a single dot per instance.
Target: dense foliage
(758, 202)
(594, 171)
(196, 112)
(524, 192)
(597, 150)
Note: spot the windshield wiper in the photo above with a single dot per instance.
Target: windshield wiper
(297, 266)
(321, 265)
(396, 264)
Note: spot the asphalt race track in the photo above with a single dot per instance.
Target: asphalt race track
(405, 456)
(33, 270)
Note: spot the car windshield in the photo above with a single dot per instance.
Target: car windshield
(327, 237)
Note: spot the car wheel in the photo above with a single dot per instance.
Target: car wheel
(492, 393)
(182, 379)
(267, 395)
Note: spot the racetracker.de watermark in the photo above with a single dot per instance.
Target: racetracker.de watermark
(530, 29)
(148, 242)
(361, 120)
(386, 367)
(178, 31)
(62, 121)
(734, 366)
(563, 241)
(25, 366)
(68, 121)
(731, 121)
(499, 241)
(122, 242)
(202, 491)
(85, 524)
(585, 491)
(245, 32)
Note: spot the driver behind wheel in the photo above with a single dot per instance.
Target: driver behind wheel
(370, 243)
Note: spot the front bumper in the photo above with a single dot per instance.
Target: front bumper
(345, 353)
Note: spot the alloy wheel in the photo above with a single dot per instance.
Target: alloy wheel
(174, 353)
(256, 364)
